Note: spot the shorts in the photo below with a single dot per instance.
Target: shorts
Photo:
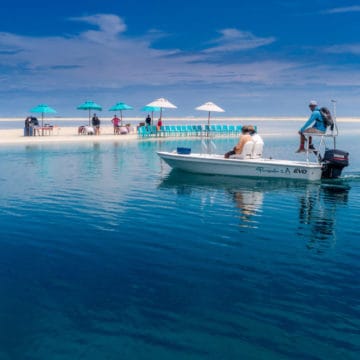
(313, 130)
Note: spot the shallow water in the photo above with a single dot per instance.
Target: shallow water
(107, 254)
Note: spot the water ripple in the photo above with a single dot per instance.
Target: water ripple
(106, 251)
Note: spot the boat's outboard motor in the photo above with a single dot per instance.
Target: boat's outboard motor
(333, 162)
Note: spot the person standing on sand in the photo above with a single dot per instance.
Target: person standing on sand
(96, 124)
(318, 127)
(115, 121)
(28, 132)
(159, 124)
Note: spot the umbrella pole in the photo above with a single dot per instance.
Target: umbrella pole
(152, 118)
(161, 113)
(209, 119)
(120, 117)
(42, 124)
(89, 117)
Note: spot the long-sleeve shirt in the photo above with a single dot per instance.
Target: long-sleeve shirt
(317, 118)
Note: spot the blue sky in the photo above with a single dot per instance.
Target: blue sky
(253, 58)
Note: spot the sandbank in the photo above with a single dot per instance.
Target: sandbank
(69, 133)
(191, 119)
(63, 134)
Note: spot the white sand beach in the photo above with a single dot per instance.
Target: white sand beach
(61, 134)
(192, 119)
(15, 134)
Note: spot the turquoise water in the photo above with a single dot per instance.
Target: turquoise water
(107, 254)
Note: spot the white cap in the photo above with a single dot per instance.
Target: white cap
(313, 102)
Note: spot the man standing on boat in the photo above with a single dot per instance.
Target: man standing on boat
(318, 126)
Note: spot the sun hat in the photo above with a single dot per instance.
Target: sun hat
(313, 102)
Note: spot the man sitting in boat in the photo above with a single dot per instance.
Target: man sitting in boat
(318, 126)
(256, 138)
(244, 138)
(258, 143)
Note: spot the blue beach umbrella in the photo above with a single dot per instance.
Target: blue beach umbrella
(43, 109)
(151, 109)
(120, 106)
(89, 105)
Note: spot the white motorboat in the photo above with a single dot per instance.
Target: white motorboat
(328, 166)
(217, 164)
(251, 163)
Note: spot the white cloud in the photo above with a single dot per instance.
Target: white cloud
(107, 23)
(346, 9)
(110, 26)
(107, 58)
(344, 49)
(236, 40)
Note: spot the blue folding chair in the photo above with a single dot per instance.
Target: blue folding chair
(143, 131)
(162, 131)
(219, 129)
(190, 130)
(172, 130)
(178, 130)
(166, 130)
(184, 130)
(238, 129)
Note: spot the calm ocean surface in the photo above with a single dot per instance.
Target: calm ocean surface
(108, 254)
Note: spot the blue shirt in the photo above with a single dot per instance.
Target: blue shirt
(317, 118)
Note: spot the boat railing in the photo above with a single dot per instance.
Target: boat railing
(207, 144)
(331, 133)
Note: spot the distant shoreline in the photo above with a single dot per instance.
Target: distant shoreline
(69, 133)
(214, 119)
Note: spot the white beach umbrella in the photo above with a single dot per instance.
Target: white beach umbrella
(210, 106)
(162, 103)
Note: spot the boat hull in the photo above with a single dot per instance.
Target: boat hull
(263, 168)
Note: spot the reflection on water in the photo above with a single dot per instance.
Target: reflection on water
(249, 204)
(105, 254)
(315, 203)
(317, 211)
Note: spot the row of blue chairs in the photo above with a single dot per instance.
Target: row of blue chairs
(188, 130)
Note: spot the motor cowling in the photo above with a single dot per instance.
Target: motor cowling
(334, 161)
